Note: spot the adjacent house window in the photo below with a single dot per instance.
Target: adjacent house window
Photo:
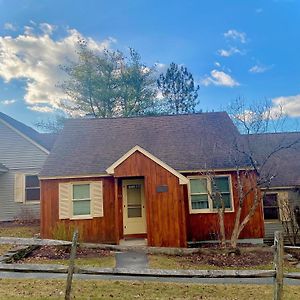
(271, 207)
(81, 200)
(205, 194)
(32, 188)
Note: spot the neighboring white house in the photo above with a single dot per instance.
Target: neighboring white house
(23, 151)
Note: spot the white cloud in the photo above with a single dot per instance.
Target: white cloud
(236, 35)
(47, 28)
(10, 26)
(217, 64)
(8, 101)
(219, 78)
(231, 51)
(289, 105)
(258, 69)
(43, 109)
(36, 58)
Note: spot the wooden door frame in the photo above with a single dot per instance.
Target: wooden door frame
(125, 182)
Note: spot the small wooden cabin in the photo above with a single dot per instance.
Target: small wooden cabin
(144, 177)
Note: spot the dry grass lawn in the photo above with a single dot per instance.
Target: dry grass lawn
(100, 262)
(4, 249)
(19, 231)
(91, 289)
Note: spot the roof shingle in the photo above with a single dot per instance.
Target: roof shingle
(184, 142)
(285, 163)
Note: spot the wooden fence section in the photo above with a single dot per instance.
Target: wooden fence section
(277, 274)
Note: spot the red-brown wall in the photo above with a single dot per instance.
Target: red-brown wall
(94, 230)
(203, 226)
(169, 222)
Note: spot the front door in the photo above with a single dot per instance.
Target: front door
(134, 217)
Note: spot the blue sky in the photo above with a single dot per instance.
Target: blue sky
(233, 48)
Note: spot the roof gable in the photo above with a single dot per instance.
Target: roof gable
(43, 141)
(110, 169)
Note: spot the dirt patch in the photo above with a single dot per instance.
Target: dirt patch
(216, 258)
(245, 259)
(63, 252)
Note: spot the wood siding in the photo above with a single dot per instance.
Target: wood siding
(169, 223)
(204, 226)
(102, 229)
(18, 155)
(165, 211)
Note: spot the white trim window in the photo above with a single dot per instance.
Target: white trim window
(32, 188)
(205, 194)
(81, 199)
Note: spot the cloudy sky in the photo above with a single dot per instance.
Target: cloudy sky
(234, 48)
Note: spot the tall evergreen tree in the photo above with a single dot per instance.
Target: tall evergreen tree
(108, 84)
(179, 90)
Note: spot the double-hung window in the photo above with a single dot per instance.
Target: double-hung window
(32, 188)
(271, 207)
(221, 192)
(199, 193)
(81, 200)
(206, 194)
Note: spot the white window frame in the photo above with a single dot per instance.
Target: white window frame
(29, 202)
(210, 208)
(81, 217)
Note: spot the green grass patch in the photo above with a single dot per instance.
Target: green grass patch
(92, 289)
(19, 231)
(180, 262)
(100, 262)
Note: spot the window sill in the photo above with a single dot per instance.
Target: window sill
(272, 221)
(32, 202)
(192, 212)
(86, 217)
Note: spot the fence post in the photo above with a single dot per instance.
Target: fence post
(278, 265)
(71, 265)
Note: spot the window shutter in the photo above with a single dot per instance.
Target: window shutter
(19, 187)
(284, 207)
(97, 198)
(64, 200)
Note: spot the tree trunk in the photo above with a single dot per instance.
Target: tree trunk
(222, 228)
(234, 235)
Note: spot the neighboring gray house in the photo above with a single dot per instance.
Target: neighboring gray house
(23, 151)
(285, 166)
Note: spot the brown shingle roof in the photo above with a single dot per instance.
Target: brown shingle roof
(184, 142)
(284, 164)
(46, 140)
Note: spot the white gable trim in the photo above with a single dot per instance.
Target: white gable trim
(25, 136)
(111, 169)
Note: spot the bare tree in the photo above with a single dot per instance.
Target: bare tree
(256, 122)
(290, 214)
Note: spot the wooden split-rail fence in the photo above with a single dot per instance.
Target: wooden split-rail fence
(277, 273)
